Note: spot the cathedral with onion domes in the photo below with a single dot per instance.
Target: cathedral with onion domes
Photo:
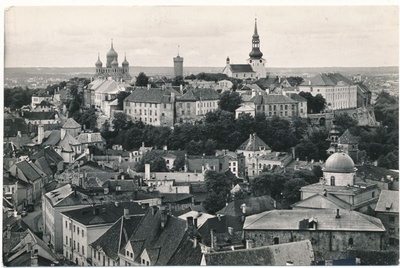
(112, 70)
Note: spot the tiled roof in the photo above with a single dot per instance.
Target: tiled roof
(197, 94)
(246, 107)
(300, 253)
(388, 202)
(176, 197)
(327, 79)
(254, 205)
(71, 123)
(327, 221)
(151, 236)
(241, 68)
(39, 115)
(363, 88)
(126, 185)
(320, 201)
(272, 99)
(53, 139)
(29, 171)
(348, 190)
(106, 213)
(347, 138)
(186, 255)
(49, 154)
(296, 97)
(275, 156)
(253, 144)
(68, 139)
(153, 95)
(116, 237)
(269, 82)
(44, 165)
(83, 138)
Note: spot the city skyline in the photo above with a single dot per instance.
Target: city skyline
(291, 36)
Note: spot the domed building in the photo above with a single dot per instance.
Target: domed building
(339, 187)
(112, 70)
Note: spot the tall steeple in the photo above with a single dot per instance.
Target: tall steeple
(255, 52)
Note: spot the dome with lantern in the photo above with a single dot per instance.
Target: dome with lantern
(339, 163)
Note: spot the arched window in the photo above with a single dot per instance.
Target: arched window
(351, 242)
(332, 181)
(276, 240)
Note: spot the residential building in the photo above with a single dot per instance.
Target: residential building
(39, 97)
(153, 106)
(195, 104)
(44, 106)
(236, 162)
(201, 163)
(41, 118)
(246, 108)
(276, 105)
(332, 232)
(256, 164)
(29, 173)
(338, 91)
(72, 127)
(302, 104)
(295, 253)
(48, 160)
(83, 226)
(112, 70)
(162, 239)
(364, 95)
(224, 85)
(248, 206)
(92, 140)
(18, 193)
(253, 147)
(387, 210)
(105, 249)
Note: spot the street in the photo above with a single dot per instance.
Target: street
(34, 218)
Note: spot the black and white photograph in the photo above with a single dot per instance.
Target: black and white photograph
(216, 133)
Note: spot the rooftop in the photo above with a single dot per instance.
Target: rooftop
(326, 219)
(254, 143)
(388, 202)
(152, 95)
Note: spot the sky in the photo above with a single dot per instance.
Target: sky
(290, 36)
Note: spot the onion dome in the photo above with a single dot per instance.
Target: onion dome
(114, 63)
(339, 163)
(125, 62)
(112, 53)
(98, 62)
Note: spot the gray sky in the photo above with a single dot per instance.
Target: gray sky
(291, 36)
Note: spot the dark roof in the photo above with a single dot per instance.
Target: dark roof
(375, 173)
(254, 205)
(272, 99)
(196, 94)
(71, 123)
(253, 143)
(44, 165)
(53, 139)
(116, 237)
(363, 88)
(49, 154)
(112, 213)
(24, 260)
(176, 197)
(126, 185)
(347, 138)
(39, 115)
(29, 172)
(296, 97)
(186, 254)
(300, 253)
(241, 68)
(152, 95)
(388, 202)
(269, 82)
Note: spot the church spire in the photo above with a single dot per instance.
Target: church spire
(112, 45)
(255, 29)
(255, 52)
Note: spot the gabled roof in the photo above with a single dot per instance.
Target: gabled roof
(116, 237)
(199, 94)
(53, 138)
(254, 143)
(201, 217)
(272, 99)
(327, 220)
(327, 79)
(241, 68)
(106, 213)
(300, 253)
(388, 202)
(43, 165)
(71, 123)
(254, 205)
(152, 95)
(176, 197)
(347, 138)
(39, 115)
(83, 138)
(49, 154)
(296, 97)
(321, 201)
(68, 140)
(30, 171)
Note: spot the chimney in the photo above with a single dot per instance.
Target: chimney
(249, 244)
(274, 204)
(40, 134)
(230, 230)
(116, 203)
(325, 192)
(122, 177)
(148, 86)
(95, 211)
(195, 223)
(189, 222)
(195, 242)
(147, 171)
(172, 97)
(309, 82)
(19, 134)
(244, 208)
(337, 214)
(126, 213)
(62, 133)
(181, 88)
(89, 137)
(279, 79)
(154, 210)
(34, 258)
(8, 231)
(213, 239)
(219, 217)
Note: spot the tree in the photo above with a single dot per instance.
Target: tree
(156, 161)
(120, 122)
(268, 184)
(121, 97)
(218, 190)
(142, 80)
(178, 80)
(291, 190)
(194, 147)
(179, 162)
(317, 170)
(319, 103)
(307, 150)
(87, 118)
(209, 147)
(345, 121)
(230, 101)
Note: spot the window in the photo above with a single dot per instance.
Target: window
(66, 240)
(351, 242)
(94, 253)
(373, 194)
(78, 247)
(108, 261)
(74, 228)
(127, 253)
(74, 244)
(78, 230)
(104, 260)
(131, 255)
(66, 224)
(83, 250)
(70, 242)
(391, 241)
(332, 181)
(147, 263)
(391, 231)
(391, 218)
(276, 240)
(70, 226)
(83, 233)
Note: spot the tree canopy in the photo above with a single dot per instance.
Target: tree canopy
(142, 80)
(218, 191)
(230, 101)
